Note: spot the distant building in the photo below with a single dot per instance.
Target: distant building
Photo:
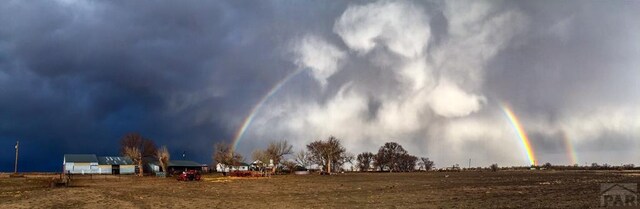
(183, 165)
(80, 164)
(239, 167)
(116, 165)
(175, 166)
(91, 164)
(151, 165)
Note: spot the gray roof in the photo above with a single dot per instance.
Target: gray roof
(183, 163)
(109, 160)
(80, 158)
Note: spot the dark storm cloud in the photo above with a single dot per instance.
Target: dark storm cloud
(573, 60)
(572, 55)
(75, 76)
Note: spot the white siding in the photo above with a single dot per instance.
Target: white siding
(104, 169)
(224, 168)
(155, 168)
(127, 169)
(68, 167)
(81, 168)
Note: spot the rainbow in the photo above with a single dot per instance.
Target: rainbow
(247, 121)
(521, 133)
(571, 152)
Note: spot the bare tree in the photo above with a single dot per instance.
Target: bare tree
(146, 146)
(494, 167)
(426, 163)
(260, 155)
(389, 155)
(379, 161)
(407, 162)
(163, 158)
(225, 155)
(364, 160)
(134, 143)
(135, 155)
(302, 158)
(290, 165)
(347, 158)
(277, 150)
(328, 153)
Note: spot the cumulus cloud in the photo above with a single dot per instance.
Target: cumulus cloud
(476, 32)
(317, 54)
(437, 97)
(396, 37)
(449, 100)
(400, 26)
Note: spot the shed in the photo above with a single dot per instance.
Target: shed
(183, 165)
(116, 165)
(80, 164)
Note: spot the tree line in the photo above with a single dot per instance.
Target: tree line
(329, 155)
(392, 157)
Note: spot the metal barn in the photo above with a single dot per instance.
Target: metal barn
(116, 165)
(80, 164)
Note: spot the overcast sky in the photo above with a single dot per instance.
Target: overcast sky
(75, 76)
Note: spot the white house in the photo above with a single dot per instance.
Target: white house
(224, 168)
(80, 164)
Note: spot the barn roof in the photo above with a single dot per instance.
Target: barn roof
(109, 160)
(80, 158)
(183, 163)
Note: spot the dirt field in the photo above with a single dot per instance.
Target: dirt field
(504, 189)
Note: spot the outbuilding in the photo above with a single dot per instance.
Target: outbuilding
(116, 165)
(80, 164)
(183, 165)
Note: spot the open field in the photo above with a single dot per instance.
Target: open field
(505, 189)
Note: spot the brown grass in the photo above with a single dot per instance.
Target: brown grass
(506, 189)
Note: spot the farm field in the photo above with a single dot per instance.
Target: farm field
(504, 189)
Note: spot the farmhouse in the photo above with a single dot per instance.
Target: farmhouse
(116, 165)
(238, 167)
(80, 163)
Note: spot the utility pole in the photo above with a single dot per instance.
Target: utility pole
(15, 169)
(469, 163)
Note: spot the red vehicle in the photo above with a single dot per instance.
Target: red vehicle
(189, 175)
